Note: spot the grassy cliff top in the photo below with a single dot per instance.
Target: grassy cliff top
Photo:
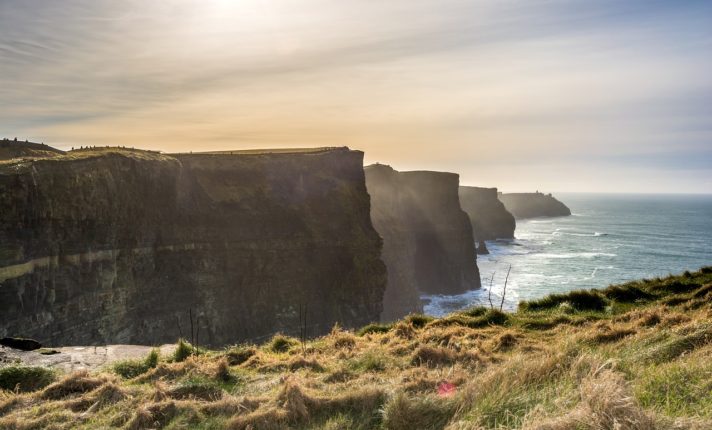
(11, 149)
(268, 151)
(631, 356)
(12, 164)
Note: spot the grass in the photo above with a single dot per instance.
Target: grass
(633, 356)
(22, 378)
(132, 368)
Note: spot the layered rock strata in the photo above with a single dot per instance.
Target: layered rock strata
(119, 246)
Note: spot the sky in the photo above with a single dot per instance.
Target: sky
(593, 96)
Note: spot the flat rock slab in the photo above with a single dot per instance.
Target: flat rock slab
(71, 358)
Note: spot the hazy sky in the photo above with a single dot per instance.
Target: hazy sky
(523, 95)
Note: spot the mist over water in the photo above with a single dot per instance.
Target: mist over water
(608, 239)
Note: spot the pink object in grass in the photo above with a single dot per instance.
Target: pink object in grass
(446, 389)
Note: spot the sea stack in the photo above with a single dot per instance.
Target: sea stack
(122, 246)
(490, 219)
(428, 245)
(533, 205)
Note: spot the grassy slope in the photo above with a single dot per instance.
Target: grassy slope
(635, 356)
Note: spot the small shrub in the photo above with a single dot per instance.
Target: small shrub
(153, 358)
(183, 351)
(374, 328)
(25, 378)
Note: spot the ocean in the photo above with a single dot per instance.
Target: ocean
(608, 239)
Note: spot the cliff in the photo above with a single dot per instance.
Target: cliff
(428, 245)
(490, 219)
(532, 205)
(118, 246)
(10, 149)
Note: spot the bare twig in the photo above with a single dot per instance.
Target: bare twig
(190, 314)
(197, 335)
(304, 340)
(489, 292)
(504, 291)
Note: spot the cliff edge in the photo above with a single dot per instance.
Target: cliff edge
(428, 246)
(532, 205)
(122, 246)
(490, 219)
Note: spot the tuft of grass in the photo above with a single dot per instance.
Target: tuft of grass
(129, 369)
(491, 317)
(580, 300)
(374, 328)
(626, 293)
(374, 360)
(282, 343)
(678, 388)
(418, 320)
(403, 412)
(237, 355)
(25, 378)
(183, 351)
(680, 344)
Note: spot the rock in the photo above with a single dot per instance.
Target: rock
(428, 245)
(482, 249)
(20, 343)
(106, 246)
(490, 219)
(533, 205)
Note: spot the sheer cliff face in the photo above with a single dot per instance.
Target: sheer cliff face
(118, 247)
(532, 205)
(428, 245)
(490, 220)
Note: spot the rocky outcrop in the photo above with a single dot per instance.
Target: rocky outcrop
(117, 246)
(533, 205)
(428, 245)
(490, 219)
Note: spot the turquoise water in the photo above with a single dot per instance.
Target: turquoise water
(607, 239)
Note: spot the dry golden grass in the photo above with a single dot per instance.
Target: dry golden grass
(634, 365)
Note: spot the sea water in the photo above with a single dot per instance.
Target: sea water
(608, 239)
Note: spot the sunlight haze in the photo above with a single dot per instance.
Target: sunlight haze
(552, 95)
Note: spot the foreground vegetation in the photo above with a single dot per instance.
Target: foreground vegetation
(633, 356)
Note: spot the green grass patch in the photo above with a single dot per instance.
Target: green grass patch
(282, 343)
(677, 389)
(418, 320)
(25, 378)
(374, 328)
(580, 300)
(129, 369)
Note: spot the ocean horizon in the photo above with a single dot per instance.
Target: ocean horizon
(609, 239)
